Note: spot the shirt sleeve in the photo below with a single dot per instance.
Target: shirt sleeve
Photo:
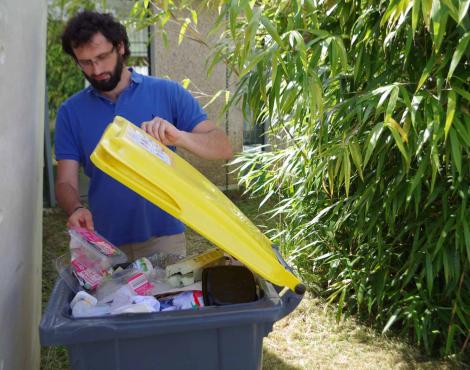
(187, 111)
(66, 143)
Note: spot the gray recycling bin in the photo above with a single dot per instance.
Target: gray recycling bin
(210, 338)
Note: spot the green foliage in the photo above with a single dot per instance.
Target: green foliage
(370, 103)
(64, 78)
(374, 181)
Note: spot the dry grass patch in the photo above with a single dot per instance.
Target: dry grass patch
(310, 338)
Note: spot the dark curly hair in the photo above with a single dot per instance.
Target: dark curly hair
(84, 25)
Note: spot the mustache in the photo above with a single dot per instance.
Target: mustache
(108, 74)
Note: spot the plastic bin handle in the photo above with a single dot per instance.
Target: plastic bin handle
(290, 300)
(280, 258)
(300, 288)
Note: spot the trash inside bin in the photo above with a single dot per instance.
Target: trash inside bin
(218, 337)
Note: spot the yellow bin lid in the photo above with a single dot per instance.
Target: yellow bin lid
(137, 160)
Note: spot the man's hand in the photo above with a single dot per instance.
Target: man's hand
(81, 217)
(163, 131)
(205, 140)
(68, 195)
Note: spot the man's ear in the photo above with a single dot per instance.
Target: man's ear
(120, 48)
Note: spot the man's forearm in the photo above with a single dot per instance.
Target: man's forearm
(208, 145)
(67, 197)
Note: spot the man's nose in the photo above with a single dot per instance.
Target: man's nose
(97, 68)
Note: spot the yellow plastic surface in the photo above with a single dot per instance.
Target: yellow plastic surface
(137, 160)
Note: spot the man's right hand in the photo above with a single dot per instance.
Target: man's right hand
(82, 217)
(68, 196)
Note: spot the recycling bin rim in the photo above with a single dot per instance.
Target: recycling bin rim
(58, 327)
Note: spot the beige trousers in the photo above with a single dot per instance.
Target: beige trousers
(174, 244)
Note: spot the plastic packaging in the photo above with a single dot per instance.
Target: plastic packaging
(195, 264)
(64, 269)
(137, 304)
(85, 305)
(143, 264)
(130, 279)
(92, 257)
(183, 301)
(96, 247)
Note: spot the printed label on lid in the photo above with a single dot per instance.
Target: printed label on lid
(148, 144)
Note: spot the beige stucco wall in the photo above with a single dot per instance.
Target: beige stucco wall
(22, 76)
(188, 60)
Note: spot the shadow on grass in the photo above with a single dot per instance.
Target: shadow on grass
(272, 362)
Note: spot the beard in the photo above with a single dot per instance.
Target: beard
(111, 82)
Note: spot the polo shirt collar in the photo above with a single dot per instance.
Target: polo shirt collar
(135, 77)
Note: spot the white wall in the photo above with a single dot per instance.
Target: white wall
(22, 76)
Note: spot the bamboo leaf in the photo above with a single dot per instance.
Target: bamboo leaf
(454, 13)
(385, 92)
(233, 13)
(346, 171)
(439, 17)
(463, 10)
(390, 13)
(253, 63)
(214, 97)
(451, 102)
(414, 107)
(331, 176)
(356, 155)
(464, 94)
(426, 6)
(372, 142)
(398, 134)
(339, 312)
(391, 320)
(341, 52)
(429, 274)
(183, 30)
(466, 231)
(462, 130)
(392, 103)
(417, 179)
(427, 71)
(461, 47)
(272, 31)
(194, 16)
(185, 83)
(450, 337)
(423, 138)
(392, 123)
(456, 151)
(415, 14)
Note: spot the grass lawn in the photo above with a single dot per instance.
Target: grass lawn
(309, 338)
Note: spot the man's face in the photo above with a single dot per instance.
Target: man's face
(101, 62)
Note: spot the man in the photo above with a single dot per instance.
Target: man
(165, 110)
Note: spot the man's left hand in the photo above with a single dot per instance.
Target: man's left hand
(163, 131)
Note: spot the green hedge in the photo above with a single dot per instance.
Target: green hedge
(371, 100)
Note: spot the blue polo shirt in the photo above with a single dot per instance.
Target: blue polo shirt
(119, 214)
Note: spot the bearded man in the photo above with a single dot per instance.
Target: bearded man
(99, 45)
